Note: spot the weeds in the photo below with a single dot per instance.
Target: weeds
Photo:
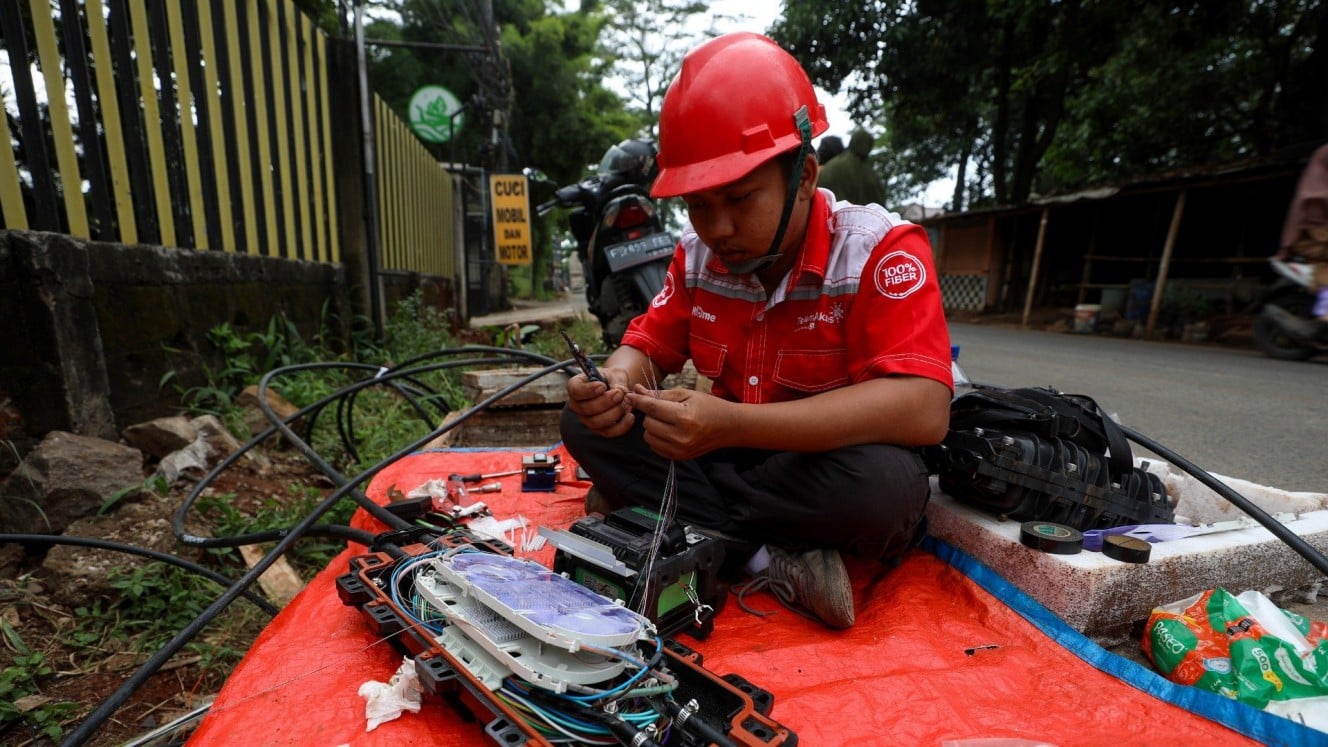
(382, 419)
(311, 554)
(153, 602)
(21, 698)
(154, 485)
(244, 360)
(415, 329)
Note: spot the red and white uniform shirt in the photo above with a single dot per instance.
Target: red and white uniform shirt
(863, 302)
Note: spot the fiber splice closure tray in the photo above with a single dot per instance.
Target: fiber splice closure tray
(678, 590)
(468, 642)
(1035, 454)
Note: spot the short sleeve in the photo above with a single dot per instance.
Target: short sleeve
(897, 325)
(662, 331)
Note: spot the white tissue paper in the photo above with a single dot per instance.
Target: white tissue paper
(384, 702)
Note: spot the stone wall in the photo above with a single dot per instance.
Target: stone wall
(88, 329)
(152, 301)
(51, 365)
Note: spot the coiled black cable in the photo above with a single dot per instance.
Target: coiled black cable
(178, 518)
(112, 703)
(385, 376)
(345, 406)
(282, 426)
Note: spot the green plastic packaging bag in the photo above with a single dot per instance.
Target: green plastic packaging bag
(1246, 648)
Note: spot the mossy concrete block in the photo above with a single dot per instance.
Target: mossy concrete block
(134, 316)
(510, 428)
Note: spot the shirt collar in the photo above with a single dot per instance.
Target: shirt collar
(816, 244)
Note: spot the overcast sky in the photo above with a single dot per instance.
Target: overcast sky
(758, 15)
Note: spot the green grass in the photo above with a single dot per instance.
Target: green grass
(21, 697)
(309, 555)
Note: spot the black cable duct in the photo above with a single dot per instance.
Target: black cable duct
(1279, 530)
(286, 538)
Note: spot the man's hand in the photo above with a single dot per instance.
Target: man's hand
(602, 409)
(681, 423)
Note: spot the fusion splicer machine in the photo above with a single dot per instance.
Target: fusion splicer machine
(678, 591)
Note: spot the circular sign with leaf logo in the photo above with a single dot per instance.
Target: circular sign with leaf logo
(432, 110)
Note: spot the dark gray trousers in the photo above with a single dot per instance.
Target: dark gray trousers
(866, 500)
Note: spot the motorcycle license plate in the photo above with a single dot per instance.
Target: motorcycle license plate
(638, 251)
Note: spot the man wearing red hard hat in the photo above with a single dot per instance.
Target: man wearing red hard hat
(819, 324)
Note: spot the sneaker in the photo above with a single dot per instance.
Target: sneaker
(813, 583)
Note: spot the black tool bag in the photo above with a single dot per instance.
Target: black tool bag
(1038, 455)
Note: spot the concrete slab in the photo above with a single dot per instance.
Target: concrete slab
(547, 391)
(525, 310)
(1102, 597)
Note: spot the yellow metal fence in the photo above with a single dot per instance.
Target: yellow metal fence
(199, 124)
(414, 200)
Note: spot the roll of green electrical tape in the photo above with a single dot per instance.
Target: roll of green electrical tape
(1056, 539)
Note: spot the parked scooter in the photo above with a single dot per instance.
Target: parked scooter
(1293, 293)
(620, 237)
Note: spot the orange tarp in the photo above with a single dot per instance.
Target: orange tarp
(933, 657)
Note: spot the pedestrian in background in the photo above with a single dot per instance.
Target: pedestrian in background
(831, 146)
(850, 175)
(1305, 236)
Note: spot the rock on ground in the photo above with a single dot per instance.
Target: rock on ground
(65, 478)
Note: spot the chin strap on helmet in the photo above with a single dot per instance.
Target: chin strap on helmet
(804, 123)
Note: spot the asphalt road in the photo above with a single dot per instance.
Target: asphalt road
(1231, 411)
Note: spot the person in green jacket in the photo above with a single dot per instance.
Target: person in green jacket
(850, 176)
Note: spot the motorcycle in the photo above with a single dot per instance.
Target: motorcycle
(621, 241)
(1293, 293)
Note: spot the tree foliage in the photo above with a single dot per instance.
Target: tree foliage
(1033, 96)
(540, 71)
(644, 41)
(535, 85)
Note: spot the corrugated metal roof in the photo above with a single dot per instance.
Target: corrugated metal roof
(1290, 160)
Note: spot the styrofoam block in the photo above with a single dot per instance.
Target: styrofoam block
(1102, 597)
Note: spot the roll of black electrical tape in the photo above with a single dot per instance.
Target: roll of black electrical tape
(1057, 539)
(1126, 549)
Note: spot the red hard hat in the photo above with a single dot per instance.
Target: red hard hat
(731, 109)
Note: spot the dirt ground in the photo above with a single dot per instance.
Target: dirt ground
(85, 673)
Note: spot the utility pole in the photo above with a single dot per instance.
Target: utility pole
(492, 103)
(371, 177)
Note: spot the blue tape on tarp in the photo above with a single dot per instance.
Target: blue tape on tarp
(1245, 719)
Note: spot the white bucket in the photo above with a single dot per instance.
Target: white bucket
(1086, 316)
